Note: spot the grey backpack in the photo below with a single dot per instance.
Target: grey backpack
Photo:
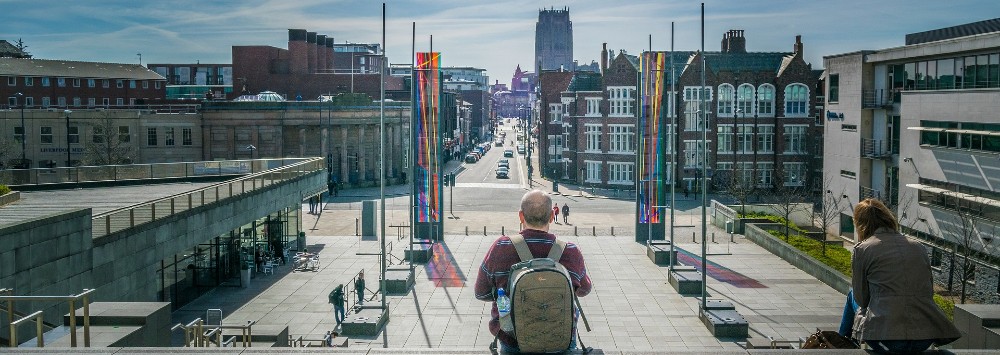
(542, 300)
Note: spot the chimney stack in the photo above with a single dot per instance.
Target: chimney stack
(604, 57)
(320, 53)
(798, 45)
(734, 42)
(311, 46)
(298, 54)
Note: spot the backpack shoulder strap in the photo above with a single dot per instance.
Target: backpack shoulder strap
(521, 246)
(557, 250)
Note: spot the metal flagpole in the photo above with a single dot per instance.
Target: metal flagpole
(381, 159)
(673, 146)
(704, 166)
(413, 140)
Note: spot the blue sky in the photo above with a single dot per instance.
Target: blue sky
(495, 35)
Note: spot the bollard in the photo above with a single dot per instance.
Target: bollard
(612, 231)
(503, 230)
(731, 237)
(357, 227)
(692, 238)
(575, 231)
(713, 237)
(595, 231)
(484, 231)
(466, 231)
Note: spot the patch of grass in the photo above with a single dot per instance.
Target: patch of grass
(946, 305)
(836, 257)
(4, 189)
(776, 219)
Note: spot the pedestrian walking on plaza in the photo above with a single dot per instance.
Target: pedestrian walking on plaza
(536, 217)
(336, 297)
(359, 287)
(555, 213)
(892, 285)
(565, 212)
(258, 258)
(312, 204)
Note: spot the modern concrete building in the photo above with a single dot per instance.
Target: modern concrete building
(553, 40)
(915, 126)
(196, 81)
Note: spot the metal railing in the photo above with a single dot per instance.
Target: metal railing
(131, 216)
(152, 108)
(874, 148)
(84, 297)
(197, 335)
(81, 174)
(877, 98)
(867, 192)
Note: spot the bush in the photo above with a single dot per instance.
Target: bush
(775, 219)
(4, 190)
(836, 257)
(946, 305)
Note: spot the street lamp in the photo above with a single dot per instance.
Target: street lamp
(24, 131)
(251, 148)
(69, 152)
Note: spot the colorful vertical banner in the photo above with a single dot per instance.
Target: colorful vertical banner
(651, 166)
(427, 138)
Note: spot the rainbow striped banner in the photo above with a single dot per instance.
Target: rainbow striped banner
(427, 140)
(650, 166)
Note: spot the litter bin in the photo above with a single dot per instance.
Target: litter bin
(729, 226)
(555, 186)
(301, 241)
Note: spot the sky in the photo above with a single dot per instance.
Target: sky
(494, 35)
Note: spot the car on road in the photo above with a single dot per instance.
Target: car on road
(498, 143)
(520, 149)
(503, 163)
(471, 158)
(502, 173)
(509, 153)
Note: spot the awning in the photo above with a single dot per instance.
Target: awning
(930, 129)
(956, 194)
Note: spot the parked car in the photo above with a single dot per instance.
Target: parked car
(478, 155)
(471, 158)
(509, 153)
(502, 173)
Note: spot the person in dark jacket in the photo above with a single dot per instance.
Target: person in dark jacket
(565, 213)
(359, 287)
(891, 306)
(336, 297)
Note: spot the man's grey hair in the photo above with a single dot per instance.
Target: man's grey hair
(537, 208)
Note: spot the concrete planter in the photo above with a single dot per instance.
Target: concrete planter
(245, 278)
(758, 234)
(10, 197)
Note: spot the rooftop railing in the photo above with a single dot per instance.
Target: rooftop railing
(131, 216)
(80, 174)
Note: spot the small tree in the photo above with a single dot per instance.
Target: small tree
(788, 197)
(962, 226)
(22, 47)
(740, 184)
(6, 148)
(829, 211)
(110, 145)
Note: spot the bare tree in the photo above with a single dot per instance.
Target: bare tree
(110, 144)
(22, 47)
(6, 148)
(830, 209)
(788, 197)
(740, 184)
(963, 227)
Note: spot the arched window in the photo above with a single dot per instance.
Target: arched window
(744, 101)
(726, 96)
(765, 100)
(796, 100)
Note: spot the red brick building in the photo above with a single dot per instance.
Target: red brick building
(46, 83)
(305, 69)
(761, 117)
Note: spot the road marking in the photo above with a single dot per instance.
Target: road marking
(488, 185)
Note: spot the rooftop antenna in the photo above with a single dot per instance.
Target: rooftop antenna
(140, 57)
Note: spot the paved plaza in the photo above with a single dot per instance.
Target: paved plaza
(632, 306)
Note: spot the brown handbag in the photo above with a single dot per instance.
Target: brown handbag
(828, 339)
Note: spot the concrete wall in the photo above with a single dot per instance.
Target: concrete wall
(757, 233)
(125, 263)
(47, 256)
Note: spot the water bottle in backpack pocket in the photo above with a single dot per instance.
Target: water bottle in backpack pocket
(503, 307)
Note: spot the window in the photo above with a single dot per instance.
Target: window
(46, 135)
(151, 136)
(693, 120)
(935, 257)
(120, 101)
(833, 93)
(725, 139)
(694, 153)
(795, 173)
(91, 102)
(745, 172)
(77, 102)
(621, 101)
(119, 83)
(593, 171)
(76, 82)
(593, 133)
(11, 80)
(12, 101)
(29, 101)
(765, 139)
(29, 81)
(46, 101)
(61, 101)
(61, 82)
(156, 85)
(123, 134)
(168, 136)
(848, 174)
(593, 106)
(131, 84)
(45, 81)
(849, 127)
(91, 83)
(555, 148)
(621, 139)
(744, 139)
(555, 113)
(74, 135)
(145, 84)
(724, 166)
(726, 100)
(18, 134)
(186, 136)
(765, 171)
(131, 101)
(105, 83)
(99, 135)
(765, 100)
(744, 101)
(796, 100)
(795, 139)
(620, 173)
